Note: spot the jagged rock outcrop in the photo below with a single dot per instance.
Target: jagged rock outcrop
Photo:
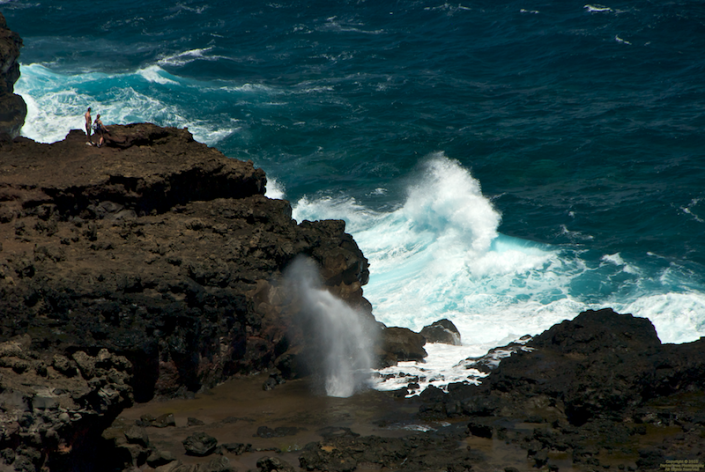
(45, 400)
(400, 344)
(162, 252)
(13, 109)
(442, 331)
(596, 383)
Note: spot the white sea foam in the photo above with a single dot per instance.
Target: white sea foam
(620, 40)
(440, 368)
(156, 74)
(689, 210)
(197, 10)
(56, 102)
(275, 189)
(597, 8)
(617, 260)
(42, 125)
(440, 255)
(575, 236)
(344, 27)
(249, 88)
(677, 317)
(451, 8)
(186, 57)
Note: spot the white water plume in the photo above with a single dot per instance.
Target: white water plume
(344, 337)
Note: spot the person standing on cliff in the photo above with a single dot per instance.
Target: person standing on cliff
(88, 126)
(100, 129)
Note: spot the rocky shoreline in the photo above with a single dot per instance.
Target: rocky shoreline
(164, 253)
(147, 322)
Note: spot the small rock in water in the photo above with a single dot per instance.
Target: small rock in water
(442, 331)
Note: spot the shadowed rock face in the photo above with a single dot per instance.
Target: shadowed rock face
(160, 251)
(442, 331)
(13, 109)
(46, 400)
(166, 252)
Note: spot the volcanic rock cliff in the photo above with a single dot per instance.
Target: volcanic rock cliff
(149, 269)
(13, 109)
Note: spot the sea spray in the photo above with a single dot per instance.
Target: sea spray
(341, 338)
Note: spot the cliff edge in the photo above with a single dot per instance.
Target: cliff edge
(149, 269)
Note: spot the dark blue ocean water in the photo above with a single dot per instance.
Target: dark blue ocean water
(504, 164)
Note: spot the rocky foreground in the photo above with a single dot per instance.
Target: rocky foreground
(151, 267)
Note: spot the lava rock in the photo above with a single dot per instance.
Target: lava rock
(442, 331)
(200, 444)
(273, 464)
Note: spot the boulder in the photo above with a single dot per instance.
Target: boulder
(158, 458)
(442, 331)
(401, 344)
(200, 444)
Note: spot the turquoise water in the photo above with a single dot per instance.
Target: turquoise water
(503, 165)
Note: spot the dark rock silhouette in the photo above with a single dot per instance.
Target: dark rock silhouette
(13, 109)
(442, 331)
(161, 252)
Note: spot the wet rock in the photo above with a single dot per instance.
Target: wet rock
(162, 285)
(7, 455)
(177, 466)
(218, 464)
(158, 458)
(480, 430)
(200, 444)
(278, 432)
(137, 435)
(331, 432)
(190, 421)
(411, 453)
(401, 344)
(273, 464)
(442, 331)
(236, 448)
(162, 421)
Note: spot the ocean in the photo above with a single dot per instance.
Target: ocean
(505, 165)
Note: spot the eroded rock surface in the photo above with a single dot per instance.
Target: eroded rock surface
(46, 399)
(13, 109)
(442, 331)
(160, 251)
